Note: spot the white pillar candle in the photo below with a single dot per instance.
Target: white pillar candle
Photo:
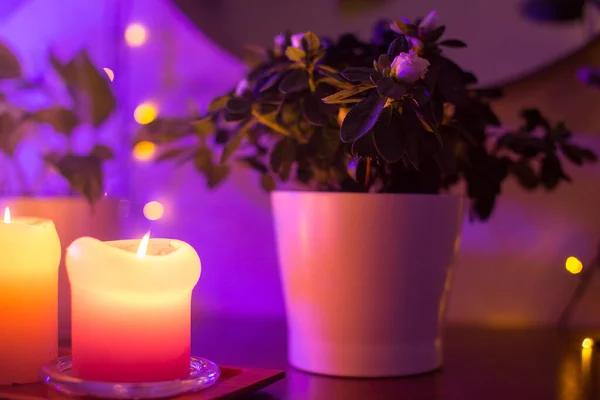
(29, 258)
(131, 311)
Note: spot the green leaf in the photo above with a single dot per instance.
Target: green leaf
(295, 54)
(312, 41)
(334, 82)
(294, 81)
(267, 182)
(336, 98)
(358, 74)
(398, 45)
(384, 62)
(61, 119)
(104, 153)
(254, 163)
(282, 157)
(218, 103)
(84, 174)
(315, 111)
(239, 105)
(434, 35)
(269, 82)
(387, 87)
(362, 117)
(450, 81)
(10, 68)
(89, 88)
(389, 135)
(452, 43)
(403, 28)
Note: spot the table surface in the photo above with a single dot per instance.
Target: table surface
(479, 363)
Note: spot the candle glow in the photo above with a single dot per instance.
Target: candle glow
(28, 297)
(131, 308)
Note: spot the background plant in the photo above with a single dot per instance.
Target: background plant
(90, 102)
(390, 115)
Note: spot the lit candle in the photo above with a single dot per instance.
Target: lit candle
(29, 258)
(131, 308)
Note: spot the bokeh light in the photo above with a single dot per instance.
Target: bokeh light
(144, 150)
(587, 343)
(153, 210)
(145, 113)
(135, 35)
(573, 265)
(109, 73)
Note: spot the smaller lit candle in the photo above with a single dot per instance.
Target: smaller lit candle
(131, 308)
(29, 259)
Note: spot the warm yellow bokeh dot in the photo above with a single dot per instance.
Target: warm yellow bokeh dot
(109, 73)
(135, 35)
(573, 265)
(153, 210)
(587, 343)
(144, 150)
(145, 113)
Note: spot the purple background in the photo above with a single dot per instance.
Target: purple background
(510, 271)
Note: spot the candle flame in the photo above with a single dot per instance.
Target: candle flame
(7, 215)
(142, 250)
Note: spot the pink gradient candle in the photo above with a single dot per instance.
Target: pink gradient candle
(131, 317)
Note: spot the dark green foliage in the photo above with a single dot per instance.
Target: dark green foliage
(347, 115)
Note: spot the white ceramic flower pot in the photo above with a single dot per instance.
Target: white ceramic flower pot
(365, 278)
(73, 218)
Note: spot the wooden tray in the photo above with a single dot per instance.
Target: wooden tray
(234, 381)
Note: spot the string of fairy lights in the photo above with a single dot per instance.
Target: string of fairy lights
(136, 35)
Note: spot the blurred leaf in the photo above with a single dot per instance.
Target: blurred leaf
(171, 154)
(450, 81)
(267, 182)
(282, 157)
(389, 135)
(254, 163)
(218, 103)
(403, 28)
(533, 118)
(102, 152)
(11, 133)
(294, 81)
(204, 127)
(552, 172)
(577, 155)
(203, 160)
(362, 117)
(217, 175)
(84, 174)
(61, 119)
(452, 43)
(525, 174)
(83, 79)
(344, 94)
(384, 61)
(295, 54)
(10, 68)
(389, 88)
(234, 143)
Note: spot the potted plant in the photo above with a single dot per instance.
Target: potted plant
(44, 173)
(374, 134)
